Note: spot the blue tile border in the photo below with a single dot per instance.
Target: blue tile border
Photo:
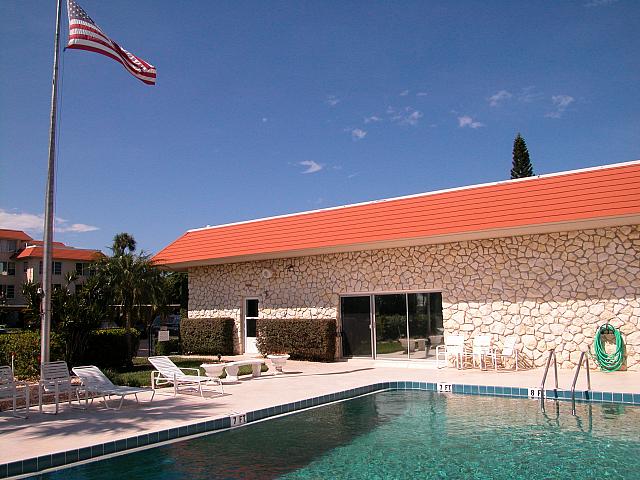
(38, 464)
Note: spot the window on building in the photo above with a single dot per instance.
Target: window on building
(40, 268)
(83, 269)
(7, 291)
(7, 268)
(8, 245)
(56, 267)
(25, 266)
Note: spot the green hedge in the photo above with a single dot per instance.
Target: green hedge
(26, 347)
(302, 339)
(108, 348)
(167, 347)
(207, 336)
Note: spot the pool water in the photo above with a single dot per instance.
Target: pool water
(403, 434)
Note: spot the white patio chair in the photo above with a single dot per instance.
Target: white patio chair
(508, 352)
(9, 389)
(168, 373)
(54, 380)
(97, 383)
(453, 348)
(482, 350)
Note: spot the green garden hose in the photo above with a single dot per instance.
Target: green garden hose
(609, 362)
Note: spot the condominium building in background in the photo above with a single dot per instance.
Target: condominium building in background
(21, 262)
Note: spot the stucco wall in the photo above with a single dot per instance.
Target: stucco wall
(551, 290)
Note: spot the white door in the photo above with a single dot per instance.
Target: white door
(250, 317)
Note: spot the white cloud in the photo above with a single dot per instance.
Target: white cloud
(404, 93)
(265, 119)
(332, 100)
(421, 94)
(467, 121)
(560, 102)
(372, 119)
(412, 118)
(529, 94)
(498, 97)
(358, 134)
(35, 223)
(406, 116)
(312, 167)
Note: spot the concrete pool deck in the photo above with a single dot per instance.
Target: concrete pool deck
(44, 435)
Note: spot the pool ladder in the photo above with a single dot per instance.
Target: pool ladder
(552, 356)
(584, 359)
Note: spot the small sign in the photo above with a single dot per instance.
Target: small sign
(445, 387)
(163, 336)
(237, 419)
(535, 392)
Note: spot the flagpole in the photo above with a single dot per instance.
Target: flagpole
(47, 259)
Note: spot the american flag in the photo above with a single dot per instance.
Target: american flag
(84, 34)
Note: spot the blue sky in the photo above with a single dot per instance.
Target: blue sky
(266, 108)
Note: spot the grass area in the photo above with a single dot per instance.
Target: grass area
(389, 347)
(140, 374)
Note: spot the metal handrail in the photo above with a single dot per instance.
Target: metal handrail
(552, 354)
(583, 356)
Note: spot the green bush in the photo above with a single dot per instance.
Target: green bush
(26, 347)
(168, 347)
(302, 339)
(207, 336)
(108, 347)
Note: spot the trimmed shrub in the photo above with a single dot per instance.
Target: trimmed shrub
(26, 348)
(167, 347)
(207, 336)
(303, 339)
(108, 347)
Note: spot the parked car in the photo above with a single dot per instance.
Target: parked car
(171, 322)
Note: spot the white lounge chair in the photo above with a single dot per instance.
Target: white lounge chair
(55, 379)
(166, 372)
(97, 383)
(482, 350)
(9, 389)
(453, 348)
(507, 352)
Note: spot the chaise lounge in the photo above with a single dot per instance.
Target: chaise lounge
(97, 383)
(167, 372)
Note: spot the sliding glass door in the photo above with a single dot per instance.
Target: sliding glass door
(355, 313)
(401, 325)
(391, 325)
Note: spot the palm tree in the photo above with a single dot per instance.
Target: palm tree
(131, 279)
(123, 243)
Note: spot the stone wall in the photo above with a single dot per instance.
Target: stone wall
(551, 290)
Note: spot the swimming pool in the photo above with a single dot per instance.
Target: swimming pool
(402, 434)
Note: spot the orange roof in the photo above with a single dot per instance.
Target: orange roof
(589, 198)
(61, 253)
(40, 243)
(14, 234)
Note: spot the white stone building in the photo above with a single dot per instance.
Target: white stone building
(547, 259)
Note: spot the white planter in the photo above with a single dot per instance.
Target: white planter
(278, 362)
(213, 369)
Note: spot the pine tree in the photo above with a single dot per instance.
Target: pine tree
(521, 164)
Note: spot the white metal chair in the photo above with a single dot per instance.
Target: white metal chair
(97, 383)
(453, 348)
(482, 350)
(9, 389)
(54, 380)
(508, 352)
(168, 373)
